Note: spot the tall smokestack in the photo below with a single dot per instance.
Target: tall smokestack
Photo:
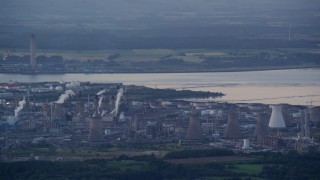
(33, 62)
(233, 129)
(79, 109)
(285, 114)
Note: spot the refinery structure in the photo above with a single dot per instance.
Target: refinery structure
(85, 114)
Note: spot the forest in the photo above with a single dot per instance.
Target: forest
(262, 165)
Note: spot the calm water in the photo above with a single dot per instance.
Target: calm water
(297, 86)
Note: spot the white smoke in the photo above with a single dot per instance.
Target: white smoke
(65, 96)
(101, 98)
(73, 85)
(100, 102)
(117, 103)
(12, 120)
(20, 107)
(103, 112)
(101, 92)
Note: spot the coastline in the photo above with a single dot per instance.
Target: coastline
(292, 86)
(173, 72)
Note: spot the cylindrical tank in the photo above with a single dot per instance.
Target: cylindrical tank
(296, 115)
(59, 88)
(107, 131)
(246, 144)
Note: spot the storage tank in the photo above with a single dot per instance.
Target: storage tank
(59, 88)
(246, 144)
(107, 131)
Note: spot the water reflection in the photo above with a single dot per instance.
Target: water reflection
(296, 86)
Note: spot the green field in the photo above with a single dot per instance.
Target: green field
(190, 55)
(248, 168)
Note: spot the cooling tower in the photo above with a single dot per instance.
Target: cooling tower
(232, 130)
(315, 114)
(285, 114)
(58, 112)
(262, 126)
(276, 120)
(194, 130)
(95, 129)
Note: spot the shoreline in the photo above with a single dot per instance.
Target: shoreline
(172, 72)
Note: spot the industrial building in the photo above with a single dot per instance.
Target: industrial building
(105, 113)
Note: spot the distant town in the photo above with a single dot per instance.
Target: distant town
(37, 61)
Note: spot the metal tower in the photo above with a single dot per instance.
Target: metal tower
(33, 62)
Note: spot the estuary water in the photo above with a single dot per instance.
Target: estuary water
(294, 86)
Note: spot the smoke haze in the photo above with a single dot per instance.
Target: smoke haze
(65, 96)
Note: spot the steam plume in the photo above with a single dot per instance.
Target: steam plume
(20, 107)
(101, 97)
(65, 96)
(13, 119)
(73, 85)
(119, 95)
(101, 92)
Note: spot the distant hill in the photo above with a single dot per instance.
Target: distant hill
(88, 24)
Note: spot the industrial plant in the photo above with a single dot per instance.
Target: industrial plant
(84, 114)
